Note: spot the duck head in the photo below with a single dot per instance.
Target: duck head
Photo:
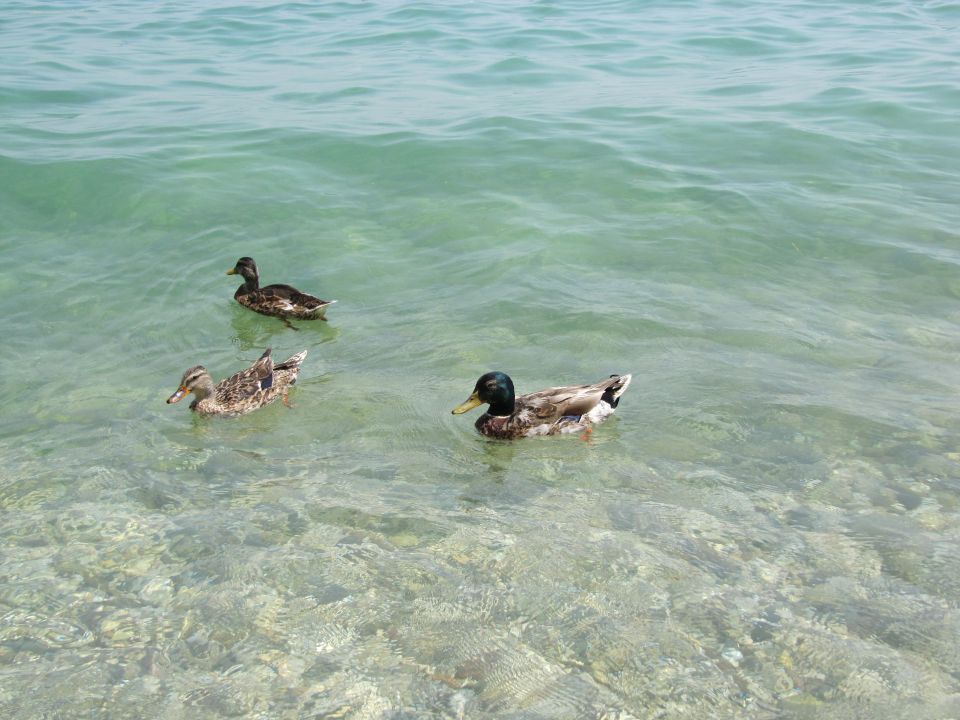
(495, 389)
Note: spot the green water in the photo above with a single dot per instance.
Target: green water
(751, 207)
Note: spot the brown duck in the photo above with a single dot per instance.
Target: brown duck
(258, 385)
(282, 301)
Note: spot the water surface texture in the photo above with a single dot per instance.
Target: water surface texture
(751, 206)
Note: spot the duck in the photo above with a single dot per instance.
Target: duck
(282, 301)
(252, 388)
(552, 411)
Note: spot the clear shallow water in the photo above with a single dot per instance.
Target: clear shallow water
(750, 207)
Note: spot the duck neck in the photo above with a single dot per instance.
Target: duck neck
(203, 388)
(502, 406)
(251, 282)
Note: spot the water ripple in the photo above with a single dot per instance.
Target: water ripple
(750, 207)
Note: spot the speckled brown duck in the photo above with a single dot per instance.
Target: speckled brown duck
(258, 385)
(282, 301)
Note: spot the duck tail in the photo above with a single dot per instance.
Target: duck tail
(618, 387)
(292, 363)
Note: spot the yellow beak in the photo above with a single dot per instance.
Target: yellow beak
(470, 404)
(178, 395)
(232, 271)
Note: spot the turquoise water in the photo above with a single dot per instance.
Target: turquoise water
(752, 207)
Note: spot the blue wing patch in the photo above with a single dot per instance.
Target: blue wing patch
(267, 382)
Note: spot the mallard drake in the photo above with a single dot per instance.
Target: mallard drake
(280, 301)
(547, 412)
(258, 385)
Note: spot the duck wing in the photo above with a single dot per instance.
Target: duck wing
(570, 401)
(291, 295)
(249, 382)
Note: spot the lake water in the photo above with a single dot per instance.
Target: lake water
(752, 207)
